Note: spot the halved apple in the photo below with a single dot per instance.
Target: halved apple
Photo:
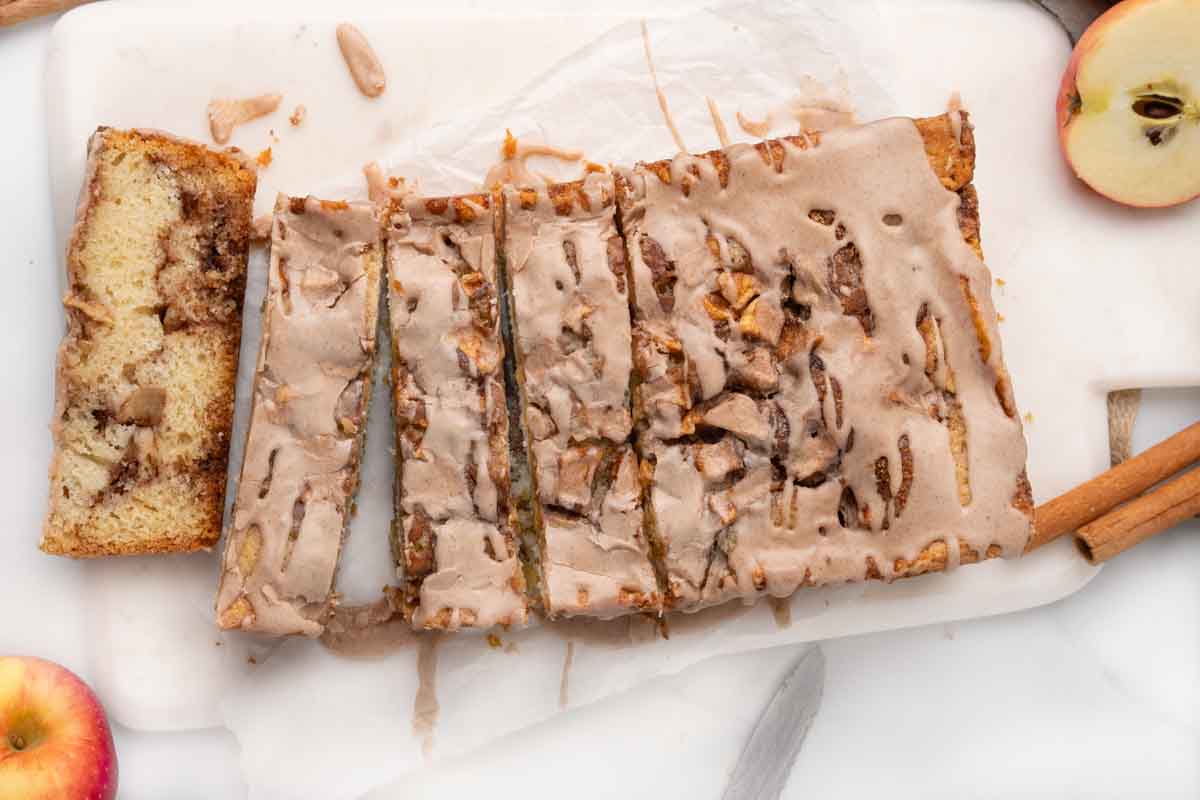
(1129, 103)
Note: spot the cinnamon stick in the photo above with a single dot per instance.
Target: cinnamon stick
(1102, 494)
(14, 11)
(1137, 521)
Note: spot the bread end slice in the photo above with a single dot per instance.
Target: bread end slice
(145, 377)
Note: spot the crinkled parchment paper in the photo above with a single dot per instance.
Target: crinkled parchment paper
(756, 58)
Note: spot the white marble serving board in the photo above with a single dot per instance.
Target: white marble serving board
(1091, 303)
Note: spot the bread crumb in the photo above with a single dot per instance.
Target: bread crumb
(264, 158)
(260, 228)
(1028, 417)
(251, 660)
(1000, 282)
(297, 116)
(380, 187)
(999, 317)
(493, 640)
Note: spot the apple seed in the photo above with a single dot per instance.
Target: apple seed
(1157, 106)
(1160, 134)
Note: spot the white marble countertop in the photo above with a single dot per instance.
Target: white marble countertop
(1094, 696)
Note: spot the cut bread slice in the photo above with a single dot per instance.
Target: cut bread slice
(454, 529)
(821, 395)
(566, 274)
(145, 377)
(312, 387)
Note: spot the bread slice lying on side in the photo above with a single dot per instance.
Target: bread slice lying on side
(308, 417)
(146, 372)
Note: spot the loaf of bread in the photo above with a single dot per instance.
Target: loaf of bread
(145, 377)
(739, 373)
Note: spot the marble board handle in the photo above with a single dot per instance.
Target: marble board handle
(1088, 509)
(14, 11)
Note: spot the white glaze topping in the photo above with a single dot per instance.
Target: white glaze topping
(567, 273)
(454, 519)
(311, 389)
(805, 376)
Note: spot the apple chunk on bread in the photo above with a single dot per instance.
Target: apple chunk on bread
(1129, 103)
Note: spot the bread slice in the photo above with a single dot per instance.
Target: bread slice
(566, 274)
(453, 534)
(312, 387)
(145, 379)
(821, 392)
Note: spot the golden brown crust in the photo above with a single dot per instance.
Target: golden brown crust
(568, 197)
(934, 559)
(227, 169)
(951, 157)
(460, 208)
(968, 218)
(159, 288)
(771, 151)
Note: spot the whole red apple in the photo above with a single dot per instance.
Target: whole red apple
(1129, 103)
(55, 743)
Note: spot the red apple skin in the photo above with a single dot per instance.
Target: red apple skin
(1091, 37)
(1066, 95)
(67, 750)
(1066, 89)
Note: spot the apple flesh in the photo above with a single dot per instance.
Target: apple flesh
(1129, 103)
(55, 743)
